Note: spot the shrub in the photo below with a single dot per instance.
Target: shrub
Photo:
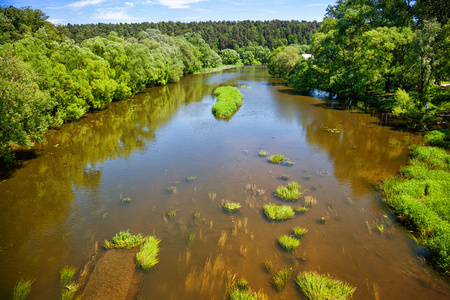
(278, 212)
(147, 257)
(316, 286)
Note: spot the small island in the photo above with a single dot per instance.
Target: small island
(229, 99)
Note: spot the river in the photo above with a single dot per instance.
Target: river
(60, 206)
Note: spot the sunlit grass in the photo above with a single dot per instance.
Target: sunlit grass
(124, 239)
(289, 243)
(147, 257)
(290, 192)
(67, 284)
(316, 286)
(299, 231)
(263, 153)
(278, 212)
(301, 209)
(239, 290)
(229, 99)
(276, 158)
(22, 289)
(280, 278)
(231, 207)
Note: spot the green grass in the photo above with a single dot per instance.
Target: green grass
(191, 179)
(276, 158)
(289, 243)
(290, 192)
(229, 99)
(197, 216)
(278, 212)
(172, 214)
(147, 257)
(316, 286)
(22, 289)
(126, 200)
(284, 176)
(280, 278)
(299, 231)
(239, 290)
(419, 199)
(301, 209)
(67, 284)
(263, 153)
(231, 207)
(289, 163)
(124, 239)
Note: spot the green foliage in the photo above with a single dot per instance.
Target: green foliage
(285, 62)
(288, 243)
(67, 284)
(263, 153)
(404, 104)
(316, 286)
(147, 257)
(280, 278)
(230, 57)
(239, 290)
(229, 99)
(290, 192)
(440, 138)
(276, 158)
(248, 58)
(299, 231)
(22, 289)
(231, 207)
(124, 239)
(278, 212)
(209, 58)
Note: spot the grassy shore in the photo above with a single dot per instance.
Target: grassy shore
(419, 198)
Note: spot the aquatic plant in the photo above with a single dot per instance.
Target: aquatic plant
(284, 176)
(229, 99)
(276, 158)
(278, 212)
(289, 243)
(301, 209)
(197, 215)
(291, 192)
(242, 283)
(316, 286)
(147, 257)
(191, 238)
(268, 265)
(191, 178)
(172, 214)
(239, 290)
(324, 219)
(171, 189)
(67, 285)
(124, 239)
(289, 163)
(231, 207)
(310, 201)
(263, 153)
(299, 231)
(280, 278)
(126, 200)
(22, 289)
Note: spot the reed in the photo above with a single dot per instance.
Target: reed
(147, 257)
(124, 239)
(276, 158)
(278, 212)
(197, 215)
(22, 289)
(316, 286)
(280, 278)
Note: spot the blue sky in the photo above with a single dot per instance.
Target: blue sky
(137, 11)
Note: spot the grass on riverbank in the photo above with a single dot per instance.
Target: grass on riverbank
(419, 198)
(229, 99)
(147, 257)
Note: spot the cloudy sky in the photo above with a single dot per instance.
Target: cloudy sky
(136, 11)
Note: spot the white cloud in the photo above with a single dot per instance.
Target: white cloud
(129, 4)
(174, 3)
(57, 21)
(318, 5)
(83, 3)
(113, 14)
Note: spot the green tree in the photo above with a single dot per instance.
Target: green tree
(230, 57)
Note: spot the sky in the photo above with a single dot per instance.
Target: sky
(138, 11)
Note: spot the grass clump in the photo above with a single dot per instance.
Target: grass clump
(276, 158)
(231, 207)
(124, 239)
(280, 278)
(291, 192)
(147, 257)
(299, 231)
(191, 238)
(197, 216)
(191, 178)
(289, 163)
(263, 153)
(301, 209)
(288, 243)
(239, 290)
(126, 200)
(67, 284)
(278, 212)
(284, 176)
(22, 289)
(229, 99)
(316, 286)
(172, 214)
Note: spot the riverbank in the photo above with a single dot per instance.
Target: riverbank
(218, 69)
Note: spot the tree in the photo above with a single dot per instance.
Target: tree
(230, 57)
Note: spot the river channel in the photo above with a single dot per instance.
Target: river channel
(60, 206)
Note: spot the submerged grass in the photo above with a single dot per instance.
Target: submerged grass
(290, 192)
(419, 198)
(124, 239)
(316, 286)
(280, 278)
(147, 257)
(22, 289)
(278, 212)
(229, 99)
(276, 158)
(231, 207)
(289, 243)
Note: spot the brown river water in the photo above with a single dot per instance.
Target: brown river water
(61, 204)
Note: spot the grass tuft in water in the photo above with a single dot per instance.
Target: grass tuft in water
(263, 153)
(299, 231)
(191, 178)
(289, 163)
(239, 290)
(172, 214)
(290, 192)
(289, 243)
(126, 200)
(278, 212)
(276, 158)
(280, 278)
(124, 239)
(147, 257)
(231, 207)
(191, 238)
(316, 286)
(284, 176)
(301, 209)
(268, 265)
(67, 285)
(310, 201)
(197, 215)
(171, 189)
(22, 289)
